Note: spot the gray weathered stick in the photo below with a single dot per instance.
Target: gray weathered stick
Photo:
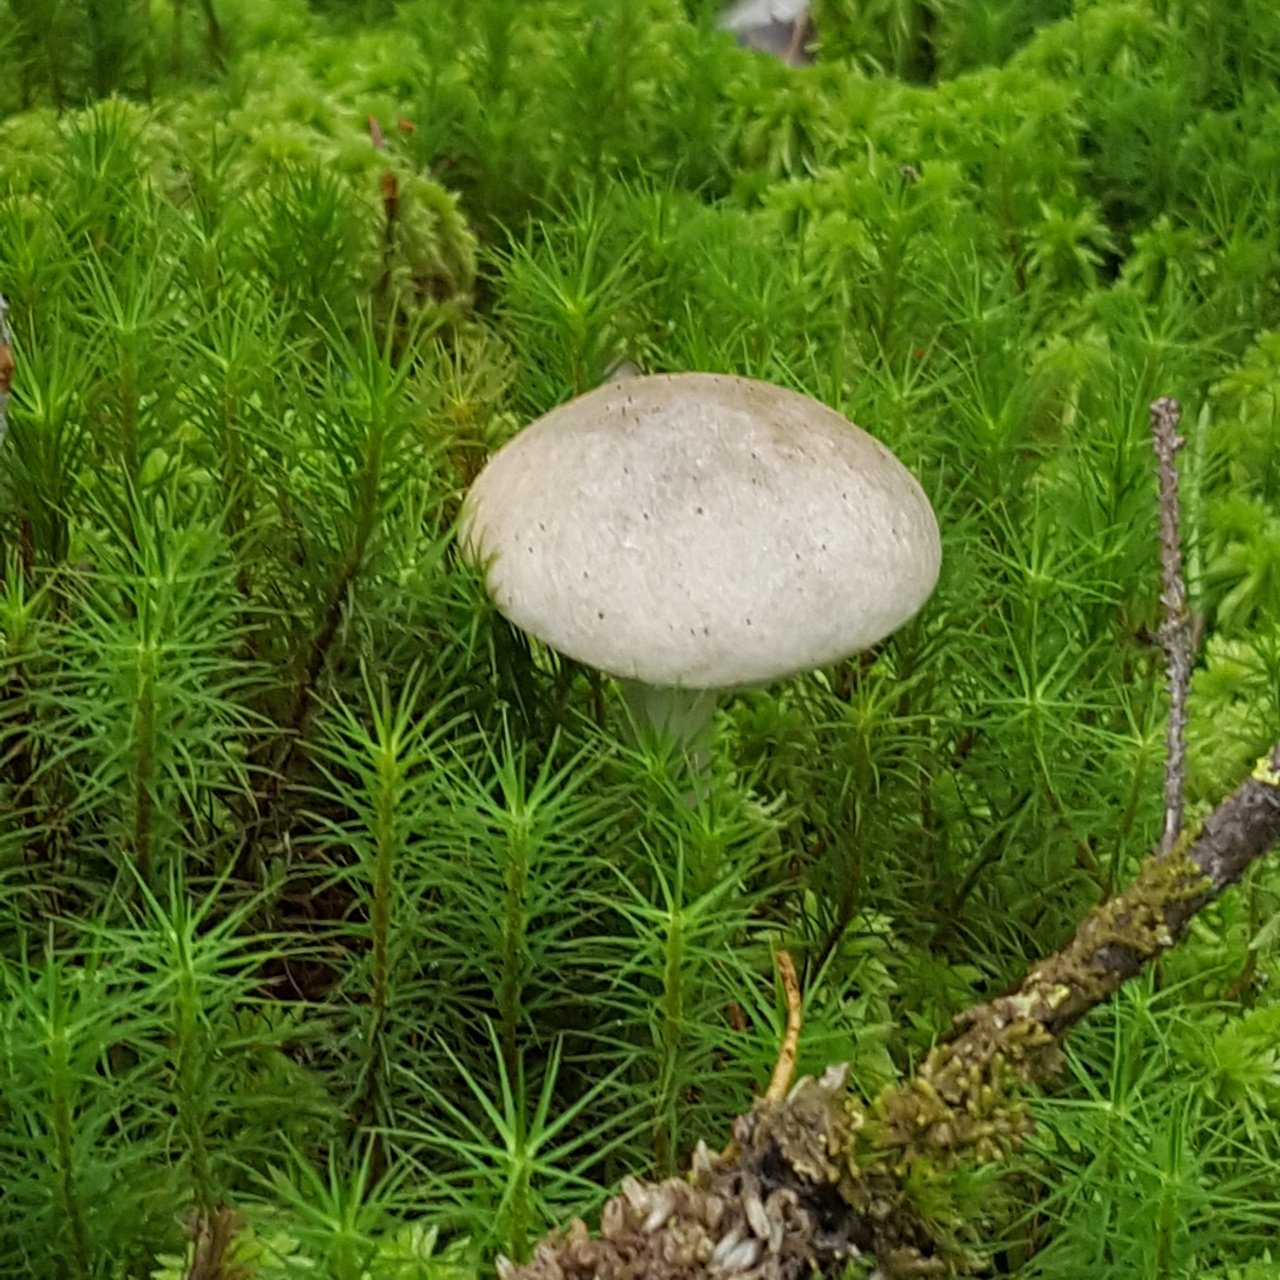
(6, 368)
(1178, 632)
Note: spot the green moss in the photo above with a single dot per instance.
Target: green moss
(994, 269)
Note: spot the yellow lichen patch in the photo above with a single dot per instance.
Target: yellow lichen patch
(1266, 772)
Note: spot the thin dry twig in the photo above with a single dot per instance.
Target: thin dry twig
(6, 367)
(785, 1069)
(1179, 633)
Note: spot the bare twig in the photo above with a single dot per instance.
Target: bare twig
(785, 1068)
(1179, 632)
(820, 1177)
(6, 367)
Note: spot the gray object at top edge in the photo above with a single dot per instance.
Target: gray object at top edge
(701, 531)
(778, 27)
(745, 14)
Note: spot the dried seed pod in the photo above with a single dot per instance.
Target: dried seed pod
(744, 1256)
(780, 1209)
(757, 1219)
(661, 1207)
(713, 1212)
(613, 1218)
(728, 1243)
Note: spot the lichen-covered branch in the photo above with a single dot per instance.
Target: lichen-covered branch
(1017, 1034)
(821, 1177)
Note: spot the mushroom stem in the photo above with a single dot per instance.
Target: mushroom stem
(666, 715)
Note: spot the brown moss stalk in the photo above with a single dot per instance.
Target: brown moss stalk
(785, 1068)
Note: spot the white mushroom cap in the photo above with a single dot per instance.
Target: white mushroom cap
(701, 531)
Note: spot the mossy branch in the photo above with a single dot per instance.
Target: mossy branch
(821, 1177)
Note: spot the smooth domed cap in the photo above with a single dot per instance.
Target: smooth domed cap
(699, 530)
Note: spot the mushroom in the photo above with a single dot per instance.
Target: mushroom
(780, 27)
(691, 533)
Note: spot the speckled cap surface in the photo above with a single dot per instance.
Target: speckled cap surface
(701, 530)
